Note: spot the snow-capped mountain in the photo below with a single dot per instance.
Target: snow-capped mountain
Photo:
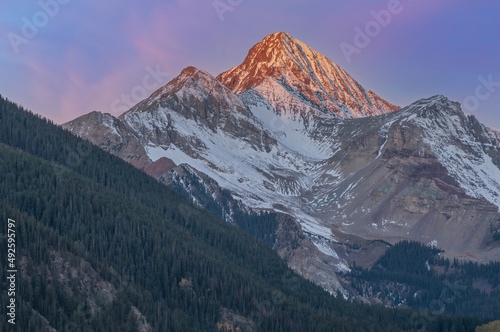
(426, 172)
(293, 77)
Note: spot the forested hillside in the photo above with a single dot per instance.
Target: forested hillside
(413, 275)
(101, 246)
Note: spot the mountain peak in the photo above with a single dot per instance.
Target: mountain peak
(306, 74)
(436, 104)
(277, 40)
(261, 61)
(189, 71)
(277, 36)
(188, 76)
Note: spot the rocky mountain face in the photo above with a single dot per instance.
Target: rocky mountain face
(293, 77)
(289, 131)
(494, 133)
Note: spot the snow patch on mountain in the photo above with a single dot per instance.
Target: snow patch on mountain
(289, 128)
(444, 132)
(384, 133)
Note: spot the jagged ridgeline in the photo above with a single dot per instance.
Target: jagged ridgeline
(101, 246)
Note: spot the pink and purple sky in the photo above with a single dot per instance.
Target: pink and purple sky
(65, 58)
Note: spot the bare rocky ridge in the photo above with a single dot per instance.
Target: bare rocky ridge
(196, 96)
(409, 192)
(494, 133)
(345, 186)
(110, 134)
